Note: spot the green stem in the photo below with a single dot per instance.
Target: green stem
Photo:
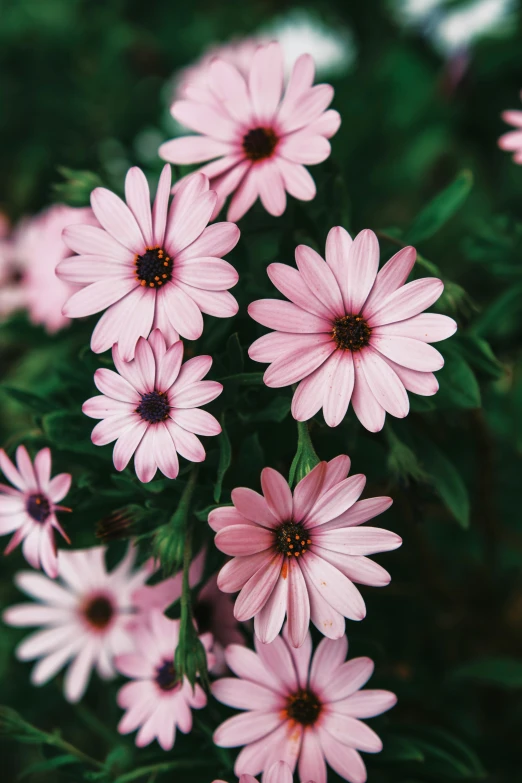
(62, 744)
(305, 457)
(165, 766)
(429, 266)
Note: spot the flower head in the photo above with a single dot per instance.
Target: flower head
(299, 713)
(148, 269)
(84, 618)
(279, 772)
(151, 409)
(28, 509)
(257, 138)
(299, 554)
(351, 333)
(512, 141)
(13, 264)
(212, 609)
(157, 701)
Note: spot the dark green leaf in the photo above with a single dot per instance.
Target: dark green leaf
(399, 748)
(236, 360)
(479, 354)
(70, 431)
(225, 458)
(277, 410)
(503, 672)
(440, 209)
(446, 480)
(29, 400)
(458, 386)
(48, 764)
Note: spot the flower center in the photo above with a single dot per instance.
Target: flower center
(38, 507)
(291, 539)
(303, 707)
(154, 407)
(351, 332)
(166, 676)
(98, 612)
(259, 143)
(154, 267)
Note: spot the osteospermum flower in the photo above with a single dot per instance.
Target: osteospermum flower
(351, 333)
(212, 609)
(512, 141)
(148, 269)
(13, 295)
(279, 772)
(298, 555)
(28, 509)
(156, 701)
(256, 138)
(84, 617)
(151, 408)
(300, 713)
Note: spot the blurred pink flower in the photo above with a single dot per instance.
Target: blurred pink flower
(84, 617)
(150, 269)
(29, 507)
(279, 772)
(298, 555)
(256, 138)
(40, 241)
(13, 295)
(156, 701)
(213, 610)
(151, 409)
(238, 53)
(299, 713)
(351, 332)
(512, 141)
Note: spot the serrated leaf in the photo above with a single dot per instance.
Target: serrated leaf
(447, 481)
(440, 209)
(225, 458)
(503, 672)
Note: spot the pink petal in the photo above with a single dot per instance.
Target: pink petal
(145, 366)
(277, 494)
(276, 345)
(326, 619)
(384, 383)
(300, 656)
(216, 240)
(221, 304)
(183, 312)
(249, 666)
(368, 410)
(308, 398)
(339, 389)
(408, 352)
(113, 385)
(245, 728)
(165, 454)
(90, 240)
(392, 276)
(186, 443)
(297, 180)
(271, 188)
(97, 296)
(112, 323)
(88, 269)
(257, 590)
(194, 395)
(110, 429)
(193, 370)
(161, 205)
(301, 79)
(334, 586)
(352, 732)
(347, 679)
(319, 279)
(312, 104)
(326, 125)
(367, 704)
(31, 547)
(335, 501)
(228, 85)
(338, 245)
(286, 317)
(117, 219)
(343, 760)
(337, 470)
(307, 491)
(197, 421)
(312, 765)
(127, 444)
(236, 573)
(277, 659)
(300, 147)
(244, 695)
(360, 512)
(237, 540)
(204, 119)
(167, 371)
(193, 149)
(291, 283)
(212, 274)
(269, 620)
(253, 506)
(279, 773)
(362, 267)
(48, 554)
(428, 327)
(407, 301)
(137, 196)
(512, 117)
(144, 462)
(185, 226)
(511, 141)
(423, 383)
(244, 197)
(357, 540)
(265, 82)
(25, 466)
(329, 655)
(298, 605)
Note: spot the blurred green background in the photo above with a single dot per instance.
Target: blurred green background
(84, 93)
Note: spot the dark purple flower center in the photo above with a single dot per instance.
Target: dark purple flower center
(38, 507)
(303, 707)
(292, 539)
(154, 267)
(166, 676)
(98, 612)
(351, 332)
(154, 407)
(259, 143)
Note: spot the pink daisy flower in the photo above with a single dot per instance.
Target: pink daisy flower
(84, 618)
(150, 269)
(298, 555)
(257, 138)
(238, 53)
(512, 141)
(156, 701)
(213, 610)
(29, 507)
(151, 408)
(279, 772)
(13, 295)
(351, 333)
(299, 713)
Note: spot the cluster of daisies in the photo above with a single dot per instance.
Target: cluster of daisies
(345, 331)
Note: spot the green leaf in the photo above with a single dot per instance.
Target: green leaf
(479, 354)
(443, 754)
(399, 748)
(225, 459)
(447, 481)
(244, 378)
(458, 385)
(440, 209)
(236, 360)
(503, 672)
(48, 764)
(402, 461)
(70, 431)
(29, 400)
(277, 410)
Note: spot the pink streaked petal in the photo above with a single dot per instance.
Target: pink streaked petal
(307, 491)
(161, 323)
(428, 327)
(193, 370)
(244, 695)
(352, 732)
(204, 119)
(245, 728)
(112, 323)
(285, 745)
(183, 229)
(229, 86)
(127, 444)
(113, 385)
(329, 655)
(257, 590)
(279, 772)
(158, 344)
(348, 678)
(407, 301)
(98, 296)
(117, 219)
(360, 512)
(300, 147)
(24, 524)
(423, 383)
(337, 470)
(31, 547)
(161, 205)
(278, 660)
(165, 454)
(144, 462)
(221, 304)
(25, 468)
(10, 472)
(271, 188)
(338, 246)
(291, 283)
(196, 394)
(297, 180)
(238, 540)
(335, 501)
(362, 267)
(10, 504)
(312, 104)
(91, 240)
(275, 345)
(137, 195)
(253, 506)
(312, 765)
(251, 757)
(391, 277)
(89, 269)
(269, 620)
(326, 125)
(334, 586)
(168, 367)
(511, 141)
(144, 366)
(25, 615)
(308, 398)
(216, 240)
(513, 117)
(339, 388)
(287, 317)
(247, 665)
(193, 149)
(278, 494)
(366, 704)
(184, 314)
(101, 407)
(186, 443)
(265, 83)
(298, 608)
(384, 383)
(342, 759)
(228, 182)
(110, 429)
(320, 279)
(212, 274)
(300, 656)
(197, 421)
(236, 573)
(368, 410)
(358, 569)
(48, 553)
(408, 352)
(300, 81)
(224, 516)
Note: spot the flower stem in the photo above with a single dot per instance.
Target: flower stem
(305, 457)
